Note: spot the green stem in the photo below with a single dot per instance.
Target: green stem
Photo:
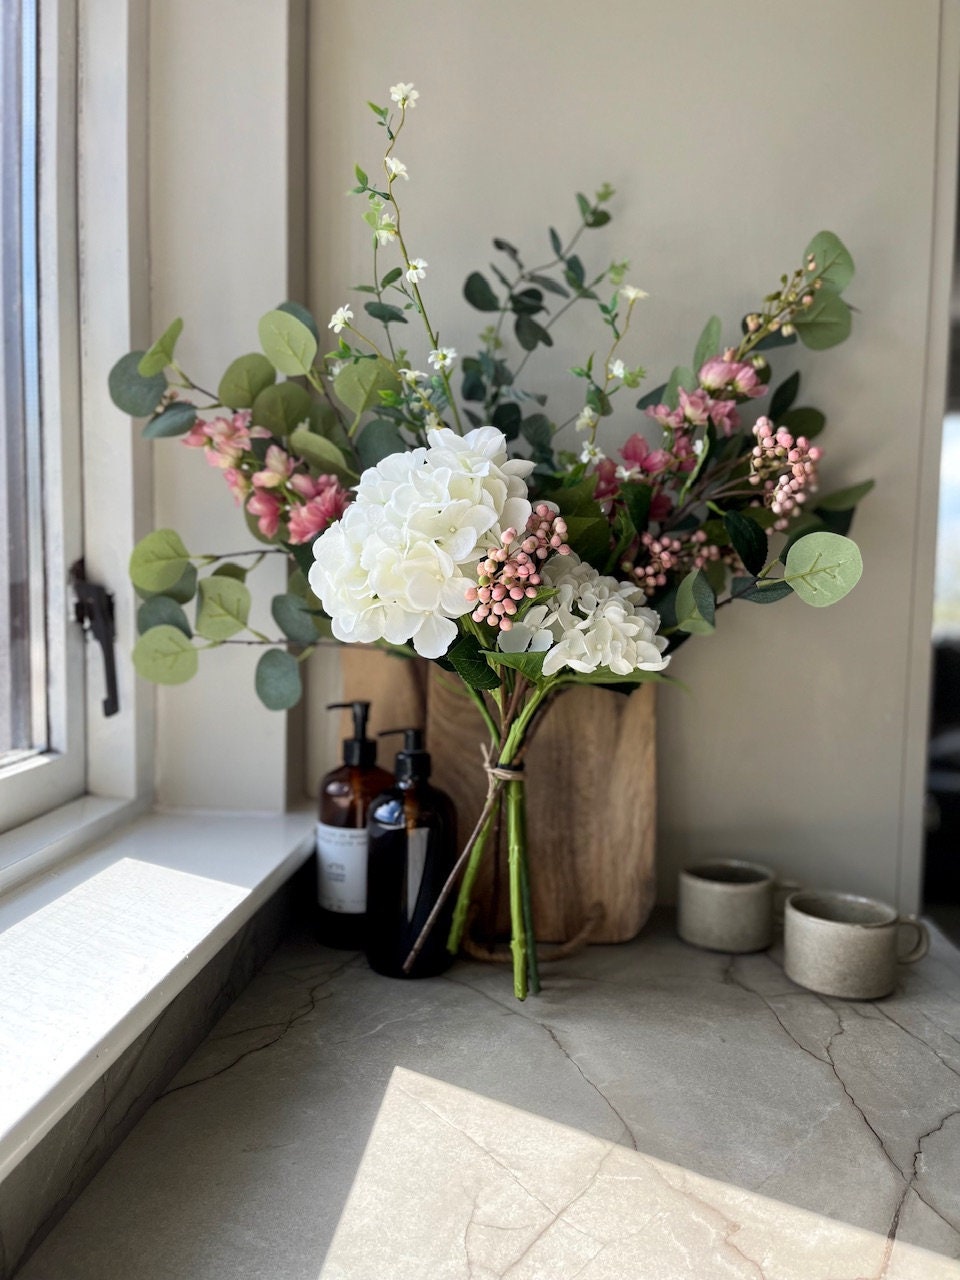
(515, 857)
(462, 907)
(533, 969)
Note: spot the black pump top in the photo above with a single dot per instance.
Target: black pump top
(358, 751)
(413, 762)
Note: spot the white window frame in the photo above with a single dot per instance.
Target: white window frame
(95, 300)
(39, 782)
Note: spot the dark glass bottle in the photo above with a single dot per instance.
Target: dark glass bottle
(341, 861)
(413, 848)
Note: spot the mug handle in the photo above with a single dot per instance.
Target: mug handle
(922, 945)
(783, 888)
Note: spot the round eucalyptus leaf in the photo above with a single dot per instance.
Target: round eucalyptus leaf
(281, 407)
(823, 567)
(277, 680)
(130, 391)
(292, 615)
(832, 261)
(176, 420)
(159, 561)
(244, 379)
(301, 313)
(223, 607)
(162, 611)
(321, 454)
(165, 655)
(227, 569)
(287, 343)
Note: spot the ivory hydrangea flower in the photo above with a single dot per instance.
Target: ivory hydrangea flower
(397, 566)
(592, 621)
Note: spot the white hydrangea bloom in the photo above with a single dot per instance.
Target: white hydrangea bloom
(592, 621)
(392, 567)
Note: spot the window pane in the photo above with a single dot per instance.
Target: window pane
(23, 712)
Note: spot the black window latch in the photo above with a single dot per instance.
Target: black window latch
(94, 611)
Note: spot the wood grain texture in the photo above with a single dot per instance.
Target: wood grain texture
(591, 792)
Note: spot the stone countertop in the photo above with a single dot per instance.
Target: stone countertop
(718, 1065)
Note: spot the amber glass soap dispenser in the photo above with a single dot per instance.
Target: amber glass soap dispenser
(413, 848)
(345, 796)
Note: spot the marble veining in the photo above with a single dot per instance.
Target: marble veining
(696, 1064)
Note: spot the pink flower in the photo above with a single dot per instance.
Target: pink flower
(266, 507)
(667, 417)
(238, 483)
(278, 468)
(607, 481)
(197, 436)
(325, 505)
(718, 374)
(724, 416)
(695, 406)
(229, 438)
(637, 453)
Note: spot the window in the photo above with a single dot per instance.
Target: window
(41, 659)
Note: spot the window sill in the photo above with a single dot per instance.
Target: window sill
(93, 951)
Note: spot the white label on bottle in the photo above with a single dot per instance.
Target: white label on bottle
(416, 863)
(342, 869)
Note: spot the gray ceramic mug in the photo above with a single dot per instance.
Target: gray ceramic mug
(842, 945)
(728, 905)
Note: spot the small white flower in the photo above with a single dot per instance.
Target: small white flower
(626, 473)
(404, 95)
(443, 358)
(432, 421)
(396, 168)
(334, 367)
(588, 419)
(416, 270)
(698, 446)
(591, 453)
(632, 294)
(616, 369)
(411, 376)
(340, 317)
(386, 229)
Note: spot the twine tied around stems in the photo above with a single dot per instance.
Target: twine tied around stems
(501, 772)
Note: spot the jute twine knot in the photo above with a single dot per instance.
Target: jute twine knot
(500, 772)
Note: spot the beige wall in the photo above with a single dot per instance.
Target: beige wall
(732, 133)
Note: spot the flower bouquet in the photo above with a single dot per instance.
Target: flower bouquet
(474, 529)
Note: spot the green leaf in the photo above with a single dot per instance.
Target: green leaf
(766, 591)
(803, 422)
(527, 302)
(478, 293)
(589, 537)
(776, 339)
(528, 664)
(130, 391)
(637, 498)
(182, 591)
(287, 343)
(551, 285)
(836, 521)
(506, 418)
(529, 333)
(708, 343)
(302, 314)
(281, 408)
(277, 680)
(159, 611)
(748, 539)
(176, 420)
(696, 605)
(358, 385)
(158, 561)
(556, 244)
(157, 357)
(385, 313)
(165, 655)
(652, 398)
(680, 377)
(845, 499)
(784, 396)
(583, 204)
(575, 273)
(834, 265)
(322, 454)
(799, 528)
(292, 615)
(377, 441)
(244, 379)
(506, 247)
(222, 608)
(227, 569)
(825, 323)
(467, 659)
(538, 430)
(598, 400)
(823, 567)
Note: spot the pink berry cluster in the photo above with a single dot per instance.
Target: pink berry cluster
(670, 554)
(786, 467)
(510, 573)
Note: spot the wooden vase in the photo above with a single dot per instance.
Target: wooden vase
(590, 799)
